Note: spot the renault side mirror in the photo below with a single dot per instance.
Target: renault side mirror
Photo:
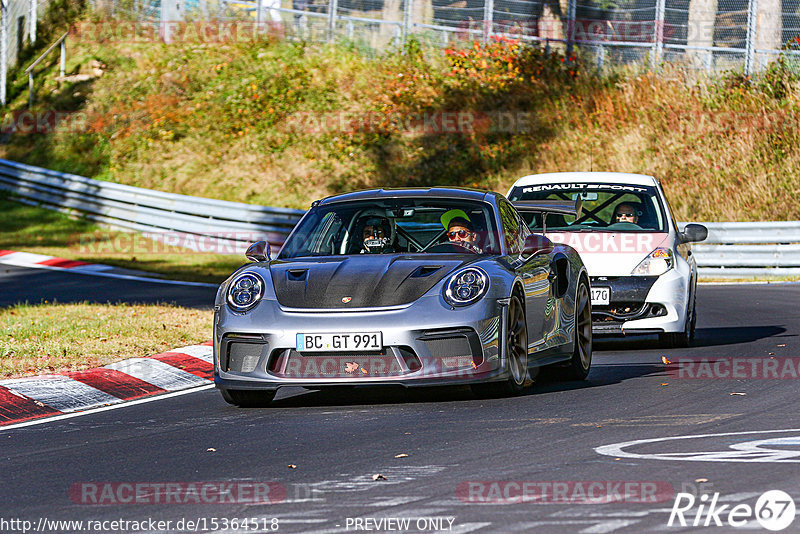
(693, 233)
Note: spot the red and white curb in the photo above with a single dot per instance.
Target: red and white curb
(28, 259)
(53, 263)
(24, 399)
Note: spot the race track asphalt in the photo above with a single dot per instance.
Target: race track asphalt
(461, 451)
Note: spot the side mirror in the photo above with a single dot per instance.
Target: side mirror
(693, 233)
(258, 251)
(536, 244)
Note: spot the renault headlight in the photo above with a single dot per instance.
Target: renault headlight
(245, 291)
(466, 286)
(656, 263)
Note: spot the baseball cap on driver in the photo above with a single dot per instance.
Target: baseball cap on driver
(452, 214)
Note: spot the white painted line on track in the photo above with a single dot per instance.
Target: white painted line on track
(118, 276)
(735, 455)
(91, 268)
(104, 408)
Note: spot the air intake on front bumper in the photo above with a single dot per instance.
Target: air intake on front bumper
(454, 349)
(289, 363)
(242, 356)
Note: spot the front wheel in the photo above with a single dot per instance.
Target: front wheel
(246, 398)
(581, 361)
(684, 338)
(516, 348)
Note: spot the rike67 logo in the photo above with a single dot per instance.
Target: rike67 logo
(774, 510)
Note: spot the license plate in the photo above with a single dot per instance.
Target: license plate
(352, 341)
(601, 295)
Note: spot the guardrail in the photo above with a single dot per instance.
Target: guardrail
(745, 249)
(234, 224)
(733, 249)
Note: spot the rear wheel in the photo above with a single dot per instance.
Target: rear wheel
(516, 347)
(246, 398)
(578, 366)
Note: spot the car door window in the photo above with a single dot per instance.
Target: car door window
(512, 229)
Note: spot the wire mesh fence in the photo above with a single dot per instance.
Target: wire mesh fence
(702, 35)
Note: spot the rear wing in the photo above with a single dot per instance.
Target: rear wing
(561, 207)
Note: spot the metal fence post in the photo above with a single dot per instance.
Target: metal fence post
(749, 59)
(659, 32)
(488, 19)
(407, 10)
(3, 50)
(333, 6)
(63, 60)
(571, 9)
(165, 19)
(32, 29)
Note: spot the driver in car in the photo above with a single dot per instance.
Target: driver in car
(460, 231)
(376, 235)
(626, 213)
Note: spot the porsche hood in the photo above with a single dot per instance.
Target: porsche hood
(363, 281)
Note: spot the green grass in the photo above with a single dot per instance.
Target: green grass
(53, 337)
(42, 231)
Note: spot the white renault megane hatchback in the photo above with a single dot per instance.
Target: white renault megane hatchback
(642, 271)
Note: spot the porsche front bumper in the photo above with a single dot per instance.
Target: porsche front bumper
(425, 343)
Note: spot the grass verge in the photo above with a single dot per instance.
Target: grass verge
(52, 337)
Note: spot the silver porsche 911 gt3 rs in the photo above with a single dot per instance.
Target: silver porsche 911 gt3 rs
(410, 287)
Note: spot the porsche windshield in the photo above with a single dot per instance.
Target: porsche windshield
(396, 225)
(609, 207)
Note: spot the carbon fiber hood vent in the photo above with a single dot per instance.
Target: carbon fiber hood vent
(362, 281)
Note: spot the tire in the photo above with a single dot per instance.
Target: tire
(516, 347)
(247, 398)
(684, 338)
(577, 368)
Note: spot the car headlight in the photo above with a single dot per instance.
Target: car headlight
(656, 263)
(245, 291)
(466, 286)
